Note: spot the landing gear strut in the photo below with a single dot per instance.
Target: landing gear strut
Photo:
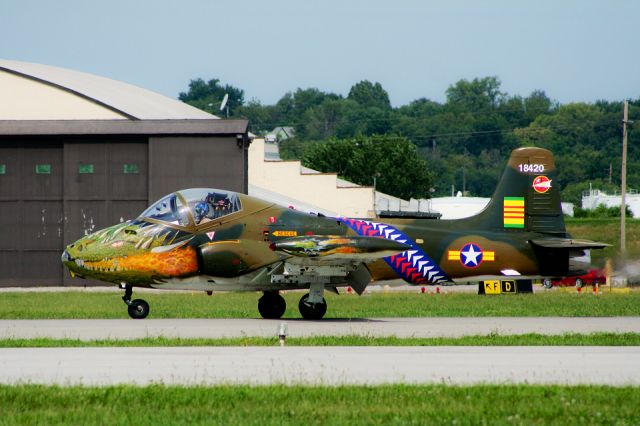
(138, 309)
(271, 305)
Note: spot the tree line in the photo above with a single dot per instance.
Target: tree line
(427, 148)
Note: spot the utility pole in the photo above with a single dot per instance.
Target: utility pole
(623, 182)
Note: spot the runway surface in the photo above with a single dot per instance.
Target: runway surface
(321, 365)
(400, 327)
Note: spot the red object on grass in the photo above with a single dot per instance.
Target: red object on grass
(590, 278)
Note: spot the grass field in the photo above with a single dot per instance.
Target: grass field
(281, 405)
(572, 339)
(78, 304)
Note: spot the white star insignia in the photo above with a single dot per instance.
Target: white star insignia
(471, 256)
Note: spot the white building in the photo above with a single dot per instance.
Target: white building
(593, 198)
(289, 183)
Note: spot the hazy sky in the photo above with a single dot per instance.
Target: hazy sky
(574, 50)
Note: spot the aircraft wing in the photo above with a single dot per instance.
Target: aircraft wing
(320, 249)
(568, 243)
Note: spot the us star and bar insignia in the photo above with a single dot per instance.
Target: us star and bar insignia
(513, 212)
(471, 255)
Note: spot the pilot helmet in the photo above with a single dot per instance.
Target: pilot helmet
(202, 209)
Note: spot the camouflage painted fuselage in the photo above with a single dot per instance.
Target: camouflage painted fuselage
(242, 242)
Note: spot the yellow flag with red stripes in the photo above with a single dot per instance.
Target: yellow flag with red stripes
(513, 213)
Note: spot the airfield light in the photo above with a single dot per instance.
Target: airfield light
(283, 330)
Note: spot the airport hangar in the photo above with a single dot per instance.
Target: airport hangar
(79, 152)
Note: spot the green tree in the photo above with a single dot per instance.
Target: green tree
(581, 137)
(259, 116)
(293, 105)
(476, 95)
(393, 160)
(208, 96)
(538, 103)
(370, 94)
(320, 121)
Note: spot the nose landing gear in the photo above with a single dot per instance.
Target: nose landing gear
(138, 308)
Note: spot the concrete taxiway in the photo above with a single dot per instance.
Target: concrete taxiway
(400, 327)
(321, 365)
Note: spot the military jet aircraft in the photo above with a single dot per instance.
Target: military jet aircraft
(210, 239)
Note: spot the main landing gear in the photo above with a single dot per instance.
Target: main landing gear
(272, 306)
(312, 311)
(138, 309)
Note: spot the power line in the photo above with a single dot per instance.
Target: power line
(478, 133)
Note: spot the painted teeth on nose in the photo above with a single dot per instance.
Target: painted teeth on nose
(147, 244)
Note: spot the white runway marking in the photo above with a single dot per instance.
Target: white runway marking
(321, 365)
(400, 327)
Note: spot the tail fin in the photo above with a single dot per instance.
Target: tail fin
(527, 197)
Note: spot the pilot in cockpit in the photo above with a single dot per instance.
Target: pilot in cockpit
(212, 207)
(201, 211)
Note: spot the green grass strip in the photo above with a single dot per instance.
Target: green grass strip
(596, 339)
(317, 405)
(88, 305)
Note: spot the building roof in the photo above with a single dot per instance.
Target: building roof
(123, 127)
(35, 91)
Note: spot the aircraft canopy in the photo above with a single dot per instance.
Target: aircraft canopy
(194, 206)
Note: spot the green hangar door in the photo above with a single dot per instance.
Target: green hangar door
(31, 213)
(105, 182)
(52, 192)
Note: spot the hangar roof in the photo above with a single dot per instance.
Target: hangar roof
(197, 127)
(43, 92)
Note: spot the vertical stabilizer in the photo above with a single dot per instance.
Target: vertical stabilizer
(527, 197)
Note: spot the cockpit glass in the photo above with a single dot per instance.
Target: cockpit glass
(207, 205)
(168, 209)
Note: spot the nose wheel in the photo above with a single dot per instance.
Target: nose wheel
(138, 308)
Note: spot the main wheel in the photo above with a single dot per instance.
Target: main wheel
(579, 283)
(312, 311)
(138, 309)
(272, 306)
(547, 283)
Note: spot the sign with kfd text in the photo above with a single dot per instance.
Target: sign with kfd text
(499, 286)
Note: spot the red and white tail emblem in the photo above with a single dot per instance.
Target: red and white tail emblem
(541, 184)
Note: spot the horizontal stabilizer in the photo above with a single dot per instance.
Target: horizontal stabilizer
(348, 248)
(568, 243)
